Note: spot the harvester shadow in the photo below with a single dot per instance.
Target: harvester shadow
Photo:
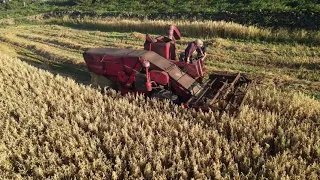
(77, 72)
(307, 66)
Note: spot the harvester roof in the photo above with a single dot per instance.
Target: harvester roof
(117, 52)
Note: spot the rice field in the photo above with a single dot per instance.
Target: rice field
(192, 28)
(55, 126)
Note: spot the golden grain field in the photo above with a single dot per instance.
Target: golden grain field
(55, 126)
(52, 127)
(204, 29)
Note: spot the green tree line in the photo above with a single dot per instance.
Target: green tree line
(170, 6)
(199, 5)
(267, 13)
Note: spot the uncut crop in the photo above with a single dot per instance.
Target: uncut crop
(204, 29)
(52, 127)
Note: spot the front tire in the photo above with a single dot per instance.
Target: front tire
(102, 82)
(164, 94)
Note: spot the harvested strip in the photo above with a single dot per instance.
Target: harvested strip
(51, 53)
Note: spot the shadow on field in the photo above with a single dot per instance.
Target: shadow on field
(309, 66)
(298, 65)
(77, 72)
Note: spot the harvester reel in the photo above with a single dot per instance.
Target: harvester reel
(229, 98)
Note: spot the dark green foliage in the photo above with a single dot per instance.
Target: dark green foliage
(161, 6)
(21, 8)
(268, 13)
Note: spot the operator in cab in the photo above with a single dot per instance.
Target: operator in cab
(195, 46)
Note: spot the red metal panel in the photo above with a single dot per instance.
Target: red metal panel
(131, 79)
(159, 77)
(173, 31)
(122, 77)
(93, 63)
(129, 63)
(191, 69)
(167, 50)
(162, 48)
(112, 65)
(172, 51)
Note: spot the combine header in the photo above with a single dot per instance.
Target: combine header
(155, 72)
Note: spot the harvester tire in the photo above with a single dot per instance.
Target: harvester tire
(164, 94)
(99, 81)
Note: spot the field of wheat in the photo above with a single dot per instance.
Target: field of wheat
(193, 28)
(54, 125)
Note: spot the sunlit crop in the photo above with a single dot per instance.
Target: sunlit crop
(52, 127)
(55, 125)
(202, 29)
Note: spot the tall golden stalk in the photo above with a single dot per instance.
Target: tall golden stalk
(52, 127)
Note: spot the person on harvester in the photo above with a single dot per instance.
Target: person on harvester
(195, 46)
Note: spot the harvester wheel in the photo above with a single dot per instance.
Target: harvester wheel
(101, 81)
(165, 94)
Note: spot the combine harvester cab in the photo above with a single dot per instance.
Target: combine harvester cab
(154, 72)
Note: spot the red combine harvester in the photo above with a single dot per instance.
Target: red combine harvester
(155, 72)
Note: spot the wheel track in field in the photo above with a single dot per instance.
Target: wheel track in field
(54, 43)
(49, 52)
(85, 38)
(47, 60)
(77, 72)
(287, 68)
(79, 38)
(130, 38)
(93, 42)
